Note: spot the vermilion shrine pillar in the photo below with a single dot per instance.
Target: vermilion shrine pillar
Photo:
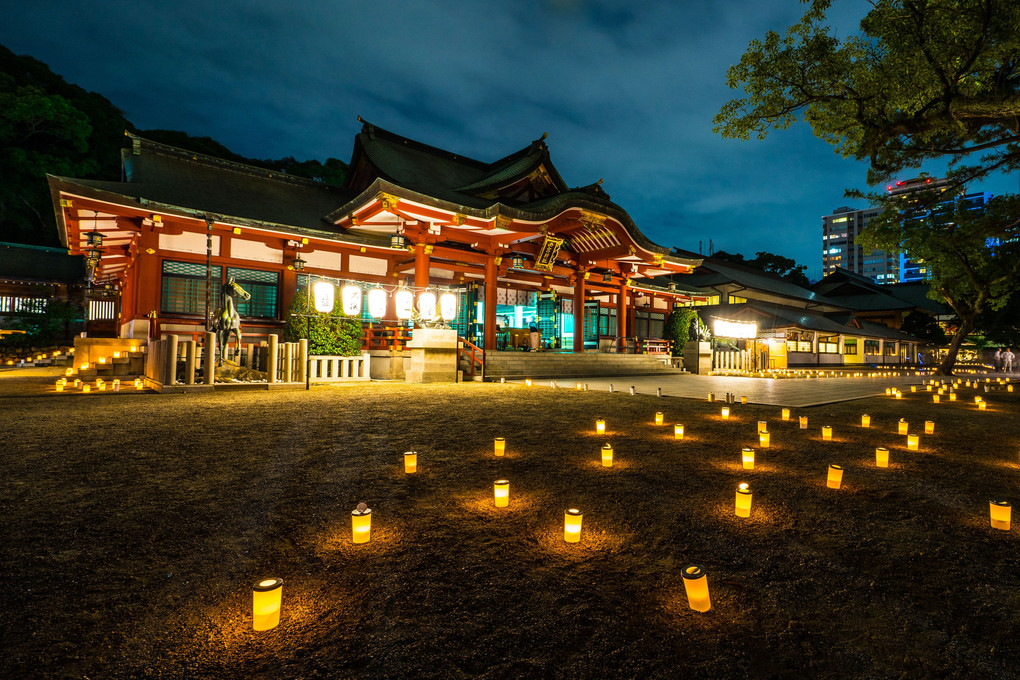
(489, 334)
(579, 312)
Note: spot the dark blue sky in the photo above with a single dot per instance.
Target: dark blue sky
(626, 91)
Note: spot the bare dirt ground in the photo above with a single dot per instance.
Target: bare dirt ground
(134, 526)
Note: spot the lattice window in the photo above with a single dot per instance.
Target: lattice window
(264, 287)
(184, 287)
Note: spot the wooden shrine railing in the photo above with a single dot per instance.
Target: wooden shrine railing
(393, 338)
(474, 355)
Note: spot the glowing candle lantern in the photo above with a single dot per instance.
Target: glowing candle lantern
(786, 414)
(865, 420)
(764, 439)
(743, 506)
(69, 371)
(929, 427)
(902, 426)
(711, 396)
(86, 388)
(977, 400)
(100, 385)
(607, 455)
(267, 600)
(1009, 388)
(85, 364)
(726, 413)
(427, 305)
(935, 398)
(678, 431)
(102, 360)
(803, 422)
(762, 426)
(696, 585)
(888, 390)
(983, 405)
(658, 417)
(501, 493)
(410, 462)
(60, 386)
(1000, 512)
(600, 426)
(929, 388)
(899, 395)
(403, 302)
(138, 383)
(952, 396)
(361, 523)
(499, 446)
(572, 525)
(913, 388)
(528, 382)
(882, 457)
(912, 442)
(743, 400)
(747, 458)
(827, 433)
(835, 477)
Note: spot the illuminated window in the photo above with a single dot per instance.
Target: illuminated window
(736, 299)
(850, 346)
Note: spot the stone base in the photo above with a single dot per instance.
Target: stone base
(433, 356)
(698, 357)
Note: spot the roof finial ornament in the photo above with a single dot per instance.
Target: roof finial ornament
(545, 136)
(360, 119)
(601, 180)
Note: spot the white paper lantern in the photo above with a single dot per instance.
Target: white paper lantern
(377, 303)
(427, 305)
(322, 293)
(404, 301)
(448, 306)
(352, 300)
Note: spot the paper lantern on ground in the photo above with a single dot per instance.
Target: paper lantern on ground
(410, 462)
(952, 396)
(448, 306)
(323, 295)
(743, 400)
(913, 388)
(501, 492)
(60, 386)
(978, 400)
(572, 525)
(743, 506)
(267, 600)
(678, 431)
(786, 414)
(377, 303)
(528, 382)
(499, 446)
(86, 387)
(902, 426)
(607, 455)
(361, 523)
(912, 442)
(711, 395)
(882, 457)
(725, 412)
(762, 425)
(803, 422)
(138, 383)
(658, 417)
(696, 585)
(865, 420)
(764, 439)
(427, 305)
(983, 406)
(827, 433)
(747, 458)
(929, 427)
(935, 398)
(403, 302)
(1000, 512)
(600, 426)
(835, 477)
(69, 371)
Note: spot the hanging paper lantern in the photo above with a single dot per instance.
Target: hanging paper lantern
(448, 306)
(352, 299)
(322, 295)
(377, 303)
(404, 302)
(427, 305)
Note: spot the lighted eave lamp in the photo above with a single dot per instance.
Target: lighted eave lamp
(501, 492)
(743, 506)
(499, 446)
(678, 431)
(572, 525)
(882, 457)
(607, 455)
(747, 458)
(600, 426)
(865, 420)
(361, 523)
(267, 599)
(410, 462)
(835, 478)
(696, 585)
(1000, 512)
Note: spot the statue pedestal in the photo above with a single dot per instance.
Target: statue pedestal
(433, 356)
(698, 357)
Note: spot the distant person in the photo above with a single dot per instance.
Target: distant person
(536, 334)
(1007, 360)
(997, 359)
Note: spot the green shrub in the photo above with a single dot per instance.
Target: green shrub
(333, 333)
(678, 327)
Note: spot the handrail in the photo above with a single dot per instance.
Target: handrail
(474, 354)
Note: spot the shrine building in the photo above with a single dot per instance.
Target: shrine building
(513, 242)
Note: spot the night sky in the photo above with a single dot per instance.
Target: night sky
(626, 91)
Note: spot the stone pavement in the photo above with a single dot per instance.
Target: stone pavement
(792, 392)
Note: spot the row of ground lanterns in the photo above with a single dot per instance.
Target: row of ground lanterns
(267, 595)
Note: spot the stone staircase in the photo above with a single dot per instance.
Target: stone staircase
(520, 365)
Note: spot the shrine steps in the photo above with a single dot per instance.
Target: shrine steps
(520, 365)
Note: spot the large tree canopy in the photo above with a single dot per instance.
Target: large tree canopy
(922, 79)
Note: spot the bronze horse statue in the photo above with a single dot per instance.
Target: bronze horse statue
(227, 319)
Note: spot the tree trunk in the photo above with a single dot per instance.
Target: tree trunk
(966, 326)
